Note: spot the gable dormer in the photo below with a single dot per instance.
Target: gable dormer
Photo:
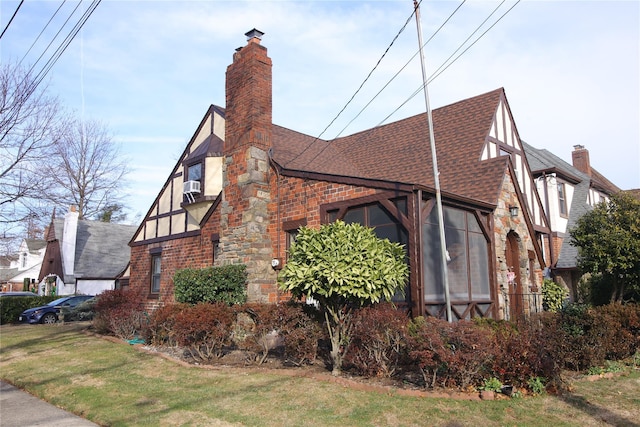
(192, 187)
(503, 140)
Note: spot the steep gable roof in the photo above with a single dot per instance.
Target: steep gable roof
(102, 250)
(400, 152)
(541, 160)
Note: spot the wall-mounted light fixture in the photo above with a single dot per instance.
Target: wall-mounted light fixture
(276, 263)
(513, 211)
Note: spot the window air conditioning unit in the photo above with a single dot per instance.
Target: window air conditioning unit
(191, 187)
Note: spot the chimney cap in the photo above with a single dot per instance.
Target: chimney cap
(254, 34)
(578, 147)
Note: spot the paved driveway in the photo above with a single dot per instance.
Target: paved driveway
(19, 408)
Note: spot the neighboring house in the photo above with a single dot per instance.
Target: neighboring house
(568, 192)
(8, 269)
(30, 256)
(243, 187)
(84, 257)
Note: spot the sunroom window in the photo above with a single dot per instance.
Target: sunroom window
(385, 226)
(467, 258)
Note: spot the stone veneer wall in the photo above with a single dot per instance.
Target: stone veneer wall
(244, 219)
(503, 224)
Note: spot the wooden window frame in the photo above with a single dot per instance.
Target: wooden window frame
(562, 200)
(154, 254)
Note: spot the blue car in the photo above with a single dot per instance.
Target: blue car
(49, 313)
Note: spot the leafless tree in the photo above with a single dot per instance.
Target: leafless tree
(29, 119)
(86, 169)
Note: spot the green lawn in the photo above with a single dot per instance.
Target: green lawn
(115, 384)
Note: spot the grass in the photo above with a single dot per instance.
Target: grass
(115, 384)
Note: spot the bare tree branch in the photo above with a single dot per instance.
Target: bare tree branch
(86, 168)
(28, 124)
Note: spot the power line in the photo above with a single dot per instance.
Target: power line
(434, 75)
(383, 88)
(63, 46)
(42, 31)
(54, 38)
(11, 20)
(401, 69)
(356, 92)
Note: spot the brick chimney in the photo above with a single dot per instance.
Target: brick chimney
(248, 96)
(580, 158)
(244, 213)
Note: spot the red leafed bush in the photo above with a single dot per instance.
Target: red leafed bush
(377, 341)
(460, 354)
(301, 331)
(427, 348)
(471, 353)
(522, 353)
(159, 330)
(204, 330)
(282, 326)
(620, 329)
(265, 333)
(118, 312)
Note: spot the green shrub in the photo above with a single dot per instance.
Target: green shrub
(212, 284)
(536, 385)
(81, 312)
(491, 384)
(12, 307)
(553, 295)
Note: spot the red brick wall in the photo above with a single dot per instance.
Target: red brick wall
(187, 252)
(557, 245)
(301, 199)
(248, 98)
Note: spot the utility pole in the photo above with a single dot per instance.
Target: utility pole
(436, 173)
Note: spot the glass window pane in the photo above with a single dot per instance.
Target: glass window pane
(433, 216)
(332, 215)
(474, 226)
(379, 216)
(454, 218)
(393, 232)
(155, 273)
(401, 204)
(355, 215)
(195, 172)
(479, 266)
(457, 265)
(432, 261)
(156, 264)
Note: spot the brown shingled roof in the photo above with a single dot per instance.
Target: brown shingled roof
(599, 181)
(400, 152)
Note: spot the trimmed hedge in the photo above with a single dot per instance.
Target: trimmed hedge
(530, 353)
(212, 284)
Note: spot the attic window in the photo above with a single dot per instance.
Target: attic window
(194, 172)
(562, 199)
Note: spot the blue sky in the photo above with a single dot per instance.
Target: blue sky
(150, 69)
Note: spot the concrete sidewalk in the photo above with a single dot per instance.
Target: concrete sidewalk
(19, 408)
